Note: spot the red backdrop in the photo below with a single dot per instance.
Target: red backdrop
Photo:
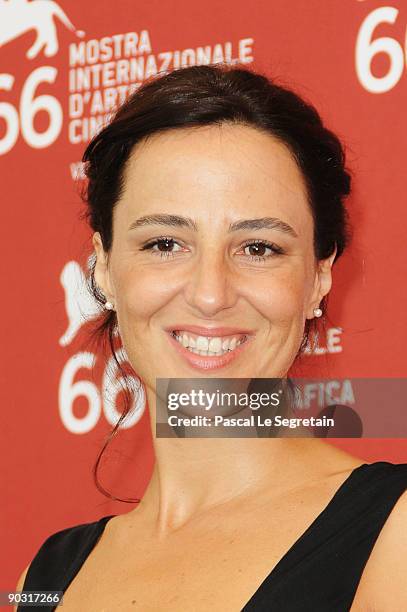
(57, 82)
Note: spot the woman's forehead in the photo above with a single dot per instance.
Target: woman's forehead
(229, 167)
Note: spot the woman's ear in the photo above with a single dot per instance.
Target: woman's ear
(323, 283)
(102, 277)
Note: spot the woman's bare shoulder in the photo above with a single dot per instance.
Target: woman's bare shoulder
(20, 583)
(383, 585)
(322, 459)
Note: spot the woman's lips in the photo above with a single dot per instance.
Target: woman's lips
(203, 362)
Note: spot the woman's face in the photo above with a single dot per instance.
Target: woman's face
(213, 231)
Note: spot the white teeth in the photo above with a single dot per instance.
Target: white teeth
(202, 343)
(215, 345)
(225, 344)
(212, 346)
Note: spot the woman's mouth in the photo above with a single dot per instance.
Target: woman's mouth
(201, 345)
(208, 352)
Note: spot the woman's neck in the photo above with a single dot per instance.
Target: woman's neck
(195, 475)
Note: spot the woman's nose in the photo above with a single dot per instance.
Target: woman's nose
(210, 285)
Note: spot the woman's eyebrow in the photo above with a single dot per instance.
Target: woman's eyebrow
(244, 224)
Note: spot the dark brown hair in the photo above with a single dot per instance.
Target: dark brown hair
(217, 94)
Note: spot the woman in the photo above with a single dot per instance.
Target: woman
(216, 199)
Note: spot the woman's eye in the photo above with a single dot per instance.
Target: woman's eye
(164, 247)
(259, 250)
(256, 250)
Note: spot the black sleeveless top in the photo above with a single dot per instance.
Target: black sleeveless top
(319, 573)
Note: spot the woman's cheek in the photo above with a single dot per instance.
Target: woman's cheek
(141, 293)
(279, 300)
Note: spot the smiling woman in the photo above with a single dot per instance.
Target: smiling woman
(244, 255)
(216, 198)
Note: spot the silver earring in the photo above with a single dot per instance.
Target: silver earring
(317, 312)
(109, 306)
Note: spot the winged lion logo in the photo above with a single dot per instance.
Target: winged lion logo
(20, 16)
